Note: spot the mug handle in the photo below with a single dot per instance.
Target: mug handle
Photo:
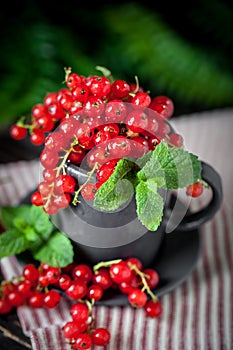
(193, 221)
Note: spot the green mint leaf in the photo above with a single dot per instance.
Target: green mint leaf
(58, 250)
(40, 221)
(149, 204)
(144, 159)
(116, 190)
(119, 195)
(12, 242)
(8, 214)
(178, 167)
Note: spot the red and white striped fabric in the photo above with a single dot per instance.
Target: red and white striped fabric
(198, 314)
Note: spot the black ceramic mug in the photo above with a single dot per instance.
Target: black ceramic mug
(99, 236)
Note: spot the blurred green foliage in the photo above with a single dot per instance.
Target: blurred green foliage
(184, 54)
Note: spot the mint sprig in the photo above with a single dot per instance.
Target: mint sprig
(165, 167)
(117, 189)
(28, 227)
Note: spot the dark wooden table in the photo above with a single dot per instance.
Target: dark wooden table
(11, 334)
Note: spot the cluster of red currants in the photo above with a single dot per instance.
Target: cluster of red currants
(97, 121)
(84, 285)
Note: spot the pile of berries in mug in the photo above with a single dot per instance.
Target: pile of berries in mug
(97, 121)
(43, 286)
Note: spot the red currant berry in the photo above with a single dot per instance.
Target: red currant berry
(51, 298)
(163, 105)
(106, 170)
(115, 111)
(100, 86)
(77, 155)
(135, 261)
(79, 312)
(15, 298)
(73, 80)
(45, 123)
(151, 277)
(37, 137)
(36, 300)
(71, 330)
(137, 121)
(120, 272)
(102, 278)
(141, 99)
(5, 306)
(101, 336)
(30, 273)
(137, 298)
(94, 292)
(64, 281)
(88, 191)
(49, 159)
(120, 88)
(119, 147)
(77, 290)
(195, 190)
(176, 140)
(18, 132)
(112, 128)
(36, 198)
(153, 308)
(64, 183)
(82, 341)
(83, 272)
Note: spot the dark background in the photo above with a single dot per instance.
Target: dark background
(183, 50)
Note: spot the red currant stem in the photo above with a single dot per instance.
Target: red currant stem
(67, 72)
(105, 71)
(136, 87)
(61, 166)
(90, 173)
(105, 264)
(21, 123)
(204, 184)
(144, 282)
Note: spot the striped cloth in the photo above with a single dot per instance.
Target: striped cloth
(197, 314)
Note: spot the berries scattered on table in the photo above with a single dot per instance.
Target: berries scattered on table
(44, 286)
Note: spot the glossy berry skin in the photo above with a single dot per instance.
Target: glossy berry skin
(137, 298)
(18, 132)
(64, 183)
(102, 278)
(51, 299)
(153, 308)
(106, 170)
(101, 336)
(5, 306)
(163, 105)
(94, 292)
(88, 191)
(195, 190)
(79, 312)
(77, 290)
(120, 88)
(151, 277)
(71, 330)
(82, 341)
(120, 272)
(36, 198)
(30, 273)
(83, 272)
